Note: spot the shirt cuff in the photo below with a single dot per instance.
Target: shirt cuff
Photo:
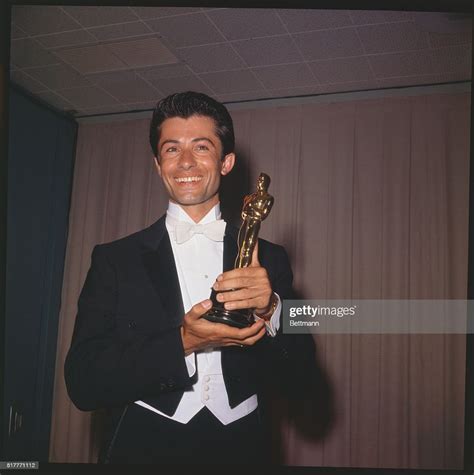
(190, 361)
(273, 325)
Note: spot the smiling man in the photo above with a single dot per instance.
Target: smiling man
(177, 387)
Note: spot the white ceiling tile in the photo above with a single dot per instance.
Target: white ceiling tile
(367, 17)
(398, 16)
(144, 52)
(59, 76)
(218, 57)
(438, 40)
(285, 76)
(87, 97)
(231, 81)
(27, 53)
(122, 30)
(187, 30)
(38, 20)
(297, 20)
(92, 59)
(16, 33)
(132, 90)
(329, 44)
(146, 13)
(125, 86)
(171, 85)
(164, 72)
(411, 63)
(55, 100)
(243, 23)
(453, 59)
(268, 51)
(68, 38)
(26, 81)
(392, 37)
(342, 70)
(99, 16)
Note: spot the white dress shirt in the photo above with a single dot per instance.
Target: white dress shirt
(198, 262)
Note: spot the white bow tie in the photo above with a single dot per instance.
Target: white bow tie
(184, 231)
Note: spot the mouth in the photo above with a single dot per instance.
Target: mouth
(188, 179)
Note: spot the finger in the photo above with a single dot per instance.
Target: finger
(250, 340)
(199, 309)
(235, 280)
(239, 294)
(253, 339)
(248, 332)
(239, 272)
(255, 262)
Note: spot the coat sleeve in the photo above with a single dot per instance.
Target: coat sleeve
(103, 370)
(287, 358)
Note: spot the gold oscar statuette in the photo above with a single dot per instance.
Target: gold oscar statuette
(256, 208)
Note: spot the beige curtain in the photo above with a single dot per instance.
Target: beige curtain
(371, 201)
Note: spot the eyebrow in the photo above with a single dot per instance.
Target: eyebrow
(197, 139)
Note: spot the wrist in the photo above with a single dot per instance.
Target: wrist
(267, 313)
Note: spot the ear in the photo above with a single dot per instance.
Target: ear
(157, 165)
(228, 163)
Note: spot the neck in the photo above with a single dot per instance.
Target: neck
(197, 212)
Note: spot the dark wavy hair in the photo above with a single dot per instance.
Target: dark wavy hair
(187, 104)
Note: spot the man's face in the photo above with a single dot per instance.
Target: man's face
(190, 163)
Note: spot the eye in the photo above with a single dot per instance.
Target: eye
(171, 150)
(202, 148)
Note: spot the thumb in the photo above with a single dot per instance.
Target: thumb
(200, 309)
(255, 262)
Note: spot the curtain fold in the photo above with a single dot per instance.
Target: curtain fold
(371, 201)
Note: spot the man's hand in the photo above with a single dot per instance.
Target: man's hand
(198, 333)
(248, 287)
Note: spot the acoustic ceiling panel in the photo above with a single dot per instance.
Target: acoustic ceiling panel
(234, 81)
(59, 76)
(27, 53)
(268, 51)
(146, 13)
(66, 39)
(328, 44)
(187, 30)
(244, 23)
(122, 30)
(99, 16)
(144, 52)
(342, 70)
(392, 37)
(92, 59)
(218, 57)
(285, 76)
(38, 20)
(310, 20)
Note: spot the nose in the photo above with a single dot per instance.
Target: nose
(187, 160)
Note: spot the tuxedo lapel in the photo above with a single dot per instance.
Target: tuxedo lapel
(159, 263)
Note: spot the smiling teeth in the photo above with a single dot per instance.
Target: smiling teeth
(188, 179)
